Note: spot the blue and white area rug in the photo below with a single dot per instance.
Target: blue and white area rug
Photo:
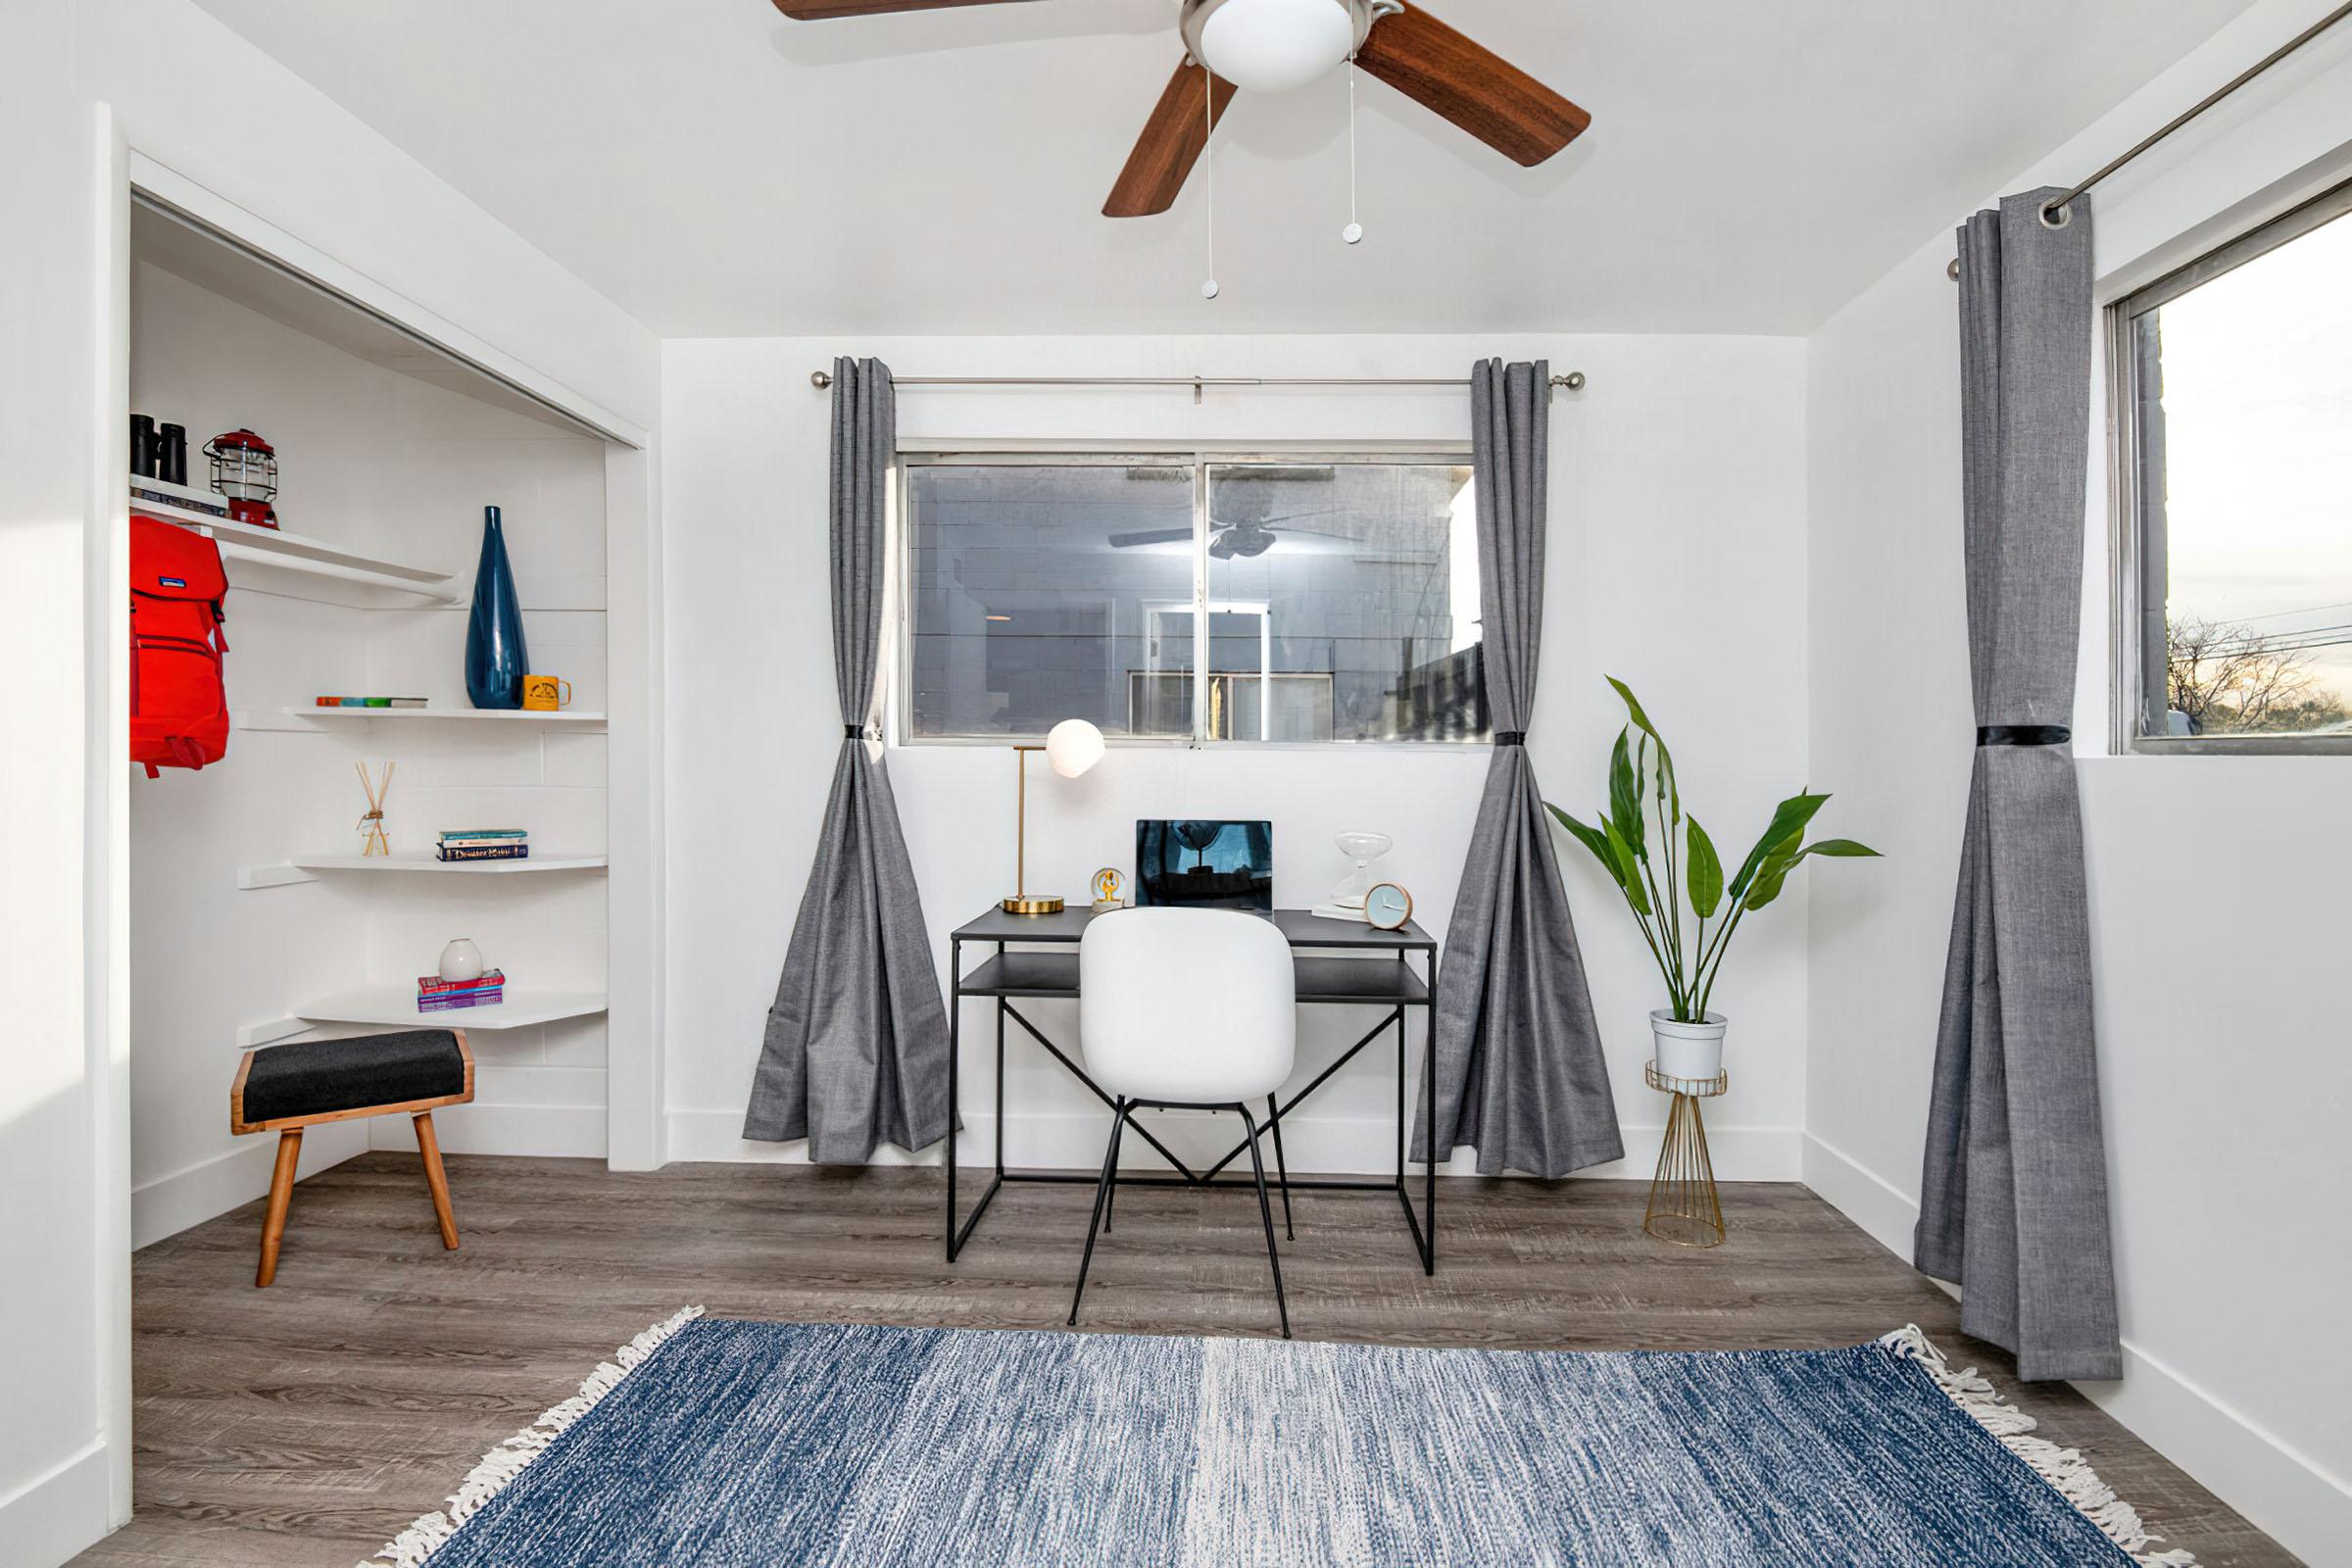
(712, 1443)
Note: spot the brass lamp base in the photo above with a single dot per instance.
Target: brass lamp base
(1032, 904)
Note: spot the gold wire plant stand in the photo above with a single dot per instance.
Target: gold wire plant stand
(1683, 1207)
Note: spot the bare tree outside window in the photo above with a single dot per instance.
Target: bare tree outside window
(2231, 679)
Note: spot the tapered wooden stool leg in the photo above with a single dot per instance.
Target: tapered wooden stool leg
(436, 1178)
(281, 1195)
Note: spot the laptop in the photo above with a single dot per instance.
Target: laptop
(1204, 864)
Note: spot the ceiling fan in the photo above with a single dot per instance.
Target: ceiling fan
(1276, 45)
(1247, 539)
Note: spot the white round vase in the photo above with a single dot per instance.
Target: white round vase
(461, 961)
(1692, 1051)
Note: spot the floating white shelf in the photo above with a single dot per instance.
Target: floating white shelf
(397, 1006)
(307, 869)
(294, 552)
(426, 863)
(511, 715)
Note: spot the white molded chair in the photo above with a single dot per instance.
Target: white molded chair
(1193, 1009)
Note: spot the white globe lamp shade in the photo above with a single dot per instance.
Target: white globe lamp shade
(1073, 745)
(1275, 45)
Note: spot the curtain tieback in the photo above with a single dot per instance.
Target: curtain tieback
(2022, 735)
(853, 732)
(1510, 737)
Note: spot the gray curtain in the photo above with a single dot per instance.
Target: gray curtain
(1520, 1072)
(2013, 1203)
(856, 1046)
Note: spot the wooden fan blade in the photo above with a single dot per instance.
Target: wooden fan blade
(1171, 143)
(1471, 85)
(827, 9)
(1149, 536)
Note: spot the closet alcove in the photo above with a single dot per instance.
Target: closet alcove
(255, 918)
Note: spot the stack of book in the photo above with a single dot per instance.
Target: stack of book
(485, 844)
(436, 995)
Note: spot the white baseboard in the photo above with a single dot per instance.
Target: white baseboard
(169, 1205)
(2285, 1494)
(1325, 1145)
(1883, 1209)
(549, 1132)
(60, 1514)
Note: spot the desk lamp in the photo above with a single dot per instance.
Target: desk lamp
(1072, 747)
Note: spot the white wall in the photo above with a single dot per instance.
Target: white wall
(2216, 884)
(1676, 562)
(378, 461)
(110, 72)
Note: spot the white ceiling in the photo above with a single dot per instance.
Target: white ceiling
(717, 170)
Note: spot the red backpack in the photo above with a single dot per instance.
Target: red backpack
(178, 705)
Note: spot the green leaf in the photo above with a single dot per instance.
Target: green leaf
(1839, 849)
(1591, 839)
(1704, 872)
(1624, 792)
(1769, 883)
(1629, 868)
(1668, 790)
(1787, 825)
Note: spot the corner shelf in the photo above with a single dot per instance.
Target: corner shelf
(426, 863)
(505, 715)
(308, 868)
(294, 552)
(397, 1006)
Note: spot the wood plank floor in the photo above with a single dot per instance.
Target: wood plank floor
(308, 1423)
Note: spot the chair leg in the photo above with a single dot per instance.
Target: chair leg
(1111, 1162)
(281, 1195)
(1282, 1168)
(436, 1179)
(1265, 1213)
(1110, 1194)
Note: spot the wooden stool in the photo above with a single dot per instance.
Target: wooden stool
(284, 1089)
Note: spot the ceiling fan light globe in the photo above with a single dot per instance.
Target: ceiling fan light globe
(1271, 45)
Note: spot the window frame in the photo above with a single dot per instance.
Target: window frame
(1200, 457)
(2129, 667)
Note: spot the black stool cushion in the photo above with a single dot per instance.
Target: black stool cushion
(314, 1077)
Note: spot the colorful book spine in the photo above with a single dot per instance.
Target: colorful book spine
(483, 833)
(483, 999)
(432, 983)
(484, 852)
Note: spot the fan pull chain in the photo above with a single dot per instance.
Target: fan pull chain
(1209, 173)
(1354, 234)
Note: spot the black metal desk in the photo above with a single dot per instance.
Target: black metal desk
(1375, 971)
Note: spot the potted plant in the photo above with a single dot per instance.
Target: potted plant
(1659, 886)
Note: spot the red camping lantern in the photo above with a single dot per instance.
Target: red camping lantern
(245, 472)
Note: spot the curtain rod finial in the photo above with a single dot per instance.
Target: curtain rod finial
(820, 379)
(1573, 380)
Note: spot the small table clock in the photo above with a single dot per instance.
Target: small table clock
(1387, 907)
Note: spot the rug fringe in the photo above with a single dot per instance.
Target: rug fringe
(2063, 1468)
(501, 1464)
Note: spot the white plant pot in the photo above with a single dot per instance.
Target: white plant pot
(1692, 1051)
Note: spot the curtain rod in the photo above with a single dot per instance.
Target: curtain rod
(2194, 109)
(2060, 205)
(1573, 381)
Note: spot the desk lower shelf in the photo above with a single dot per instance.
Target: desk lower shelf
(1379, 982)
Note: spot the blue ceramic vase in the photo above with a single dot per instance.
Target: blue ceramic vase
(495, 659)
